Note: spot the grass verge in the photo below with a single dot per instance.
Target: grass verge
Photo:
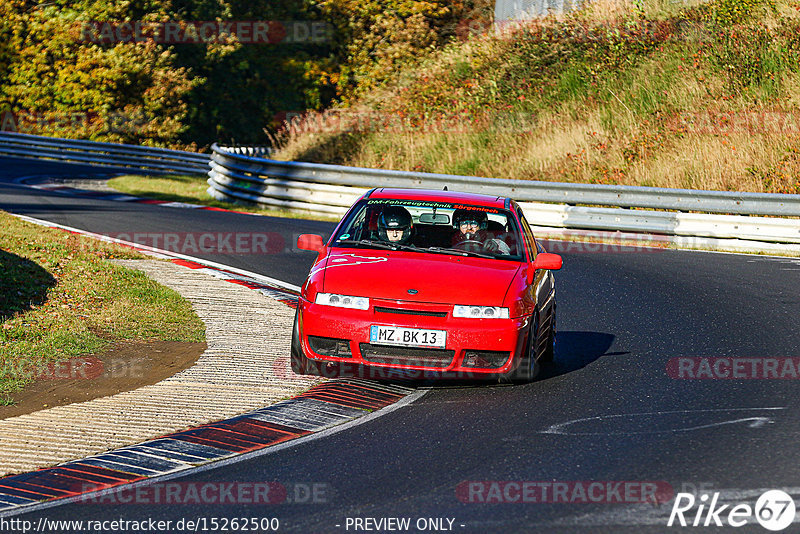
(192, 190)
(60, 298)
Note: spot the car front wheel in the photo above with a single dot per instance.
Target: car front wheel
(550, 349)
(301, 365)
(528, 366)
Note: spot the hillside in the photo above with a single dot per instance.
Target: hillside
(661, 94)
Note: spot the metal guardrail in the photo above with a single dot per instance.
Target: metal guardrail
(159, 160)
(263, 172)
(331, 189)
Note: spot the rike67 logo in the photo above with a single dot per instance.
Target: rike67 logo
(774, 510)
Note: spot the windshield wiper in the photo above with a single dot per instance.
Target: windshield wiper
(374, 244)
(458, 251)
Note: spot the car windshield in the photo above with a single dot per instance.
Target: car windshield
(431, 227)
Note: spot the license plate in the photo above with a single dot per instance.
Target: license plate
(412, 337)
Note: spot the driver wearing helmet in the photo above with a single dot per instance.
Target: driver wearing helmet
(471, 226)
(395, 225)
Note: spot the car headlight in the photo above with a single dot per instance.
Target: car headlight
(480, 312)
(342, 301)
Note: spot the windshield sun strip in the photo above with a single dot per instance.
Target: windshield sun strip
(354, 227)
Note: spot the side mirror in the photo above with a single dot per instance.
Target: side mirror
(547, 261)
(311, 242)
(544, 260)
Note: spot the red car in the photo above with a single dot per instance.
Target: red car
(416, 283)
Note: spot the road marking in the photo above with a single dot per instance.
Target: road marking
(754, 422)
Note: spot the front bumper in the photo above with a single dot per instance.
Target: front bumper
(473, 347)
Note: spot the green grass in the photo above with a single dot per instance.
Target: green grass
(62, 298)
(192, 190)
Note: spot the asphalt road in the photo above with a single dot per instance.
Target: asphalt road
(606, 411)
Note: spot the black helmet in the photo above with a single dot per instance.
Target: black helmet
(395, 218)
(462, 216)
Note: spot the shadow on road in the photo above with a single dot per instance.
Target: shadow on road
(23, 284)
(575, 350)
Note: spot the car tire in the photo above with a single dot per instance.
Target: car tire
(301, 365)
(529, 365)
(550, 349)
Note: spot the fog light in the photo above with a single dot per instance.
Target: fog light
(485, 359)
(329, 346)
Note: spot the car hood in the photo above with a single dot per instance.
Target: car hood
(436, 277)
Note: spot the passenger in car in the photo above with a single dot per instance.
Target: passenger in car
(471, 233)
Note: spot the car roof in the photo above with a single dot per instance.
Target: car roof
(433, 195)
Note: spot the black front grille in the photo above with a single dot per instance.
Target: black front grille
(406, 355)
(485, 359)
(328, 346)
(400, 311)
